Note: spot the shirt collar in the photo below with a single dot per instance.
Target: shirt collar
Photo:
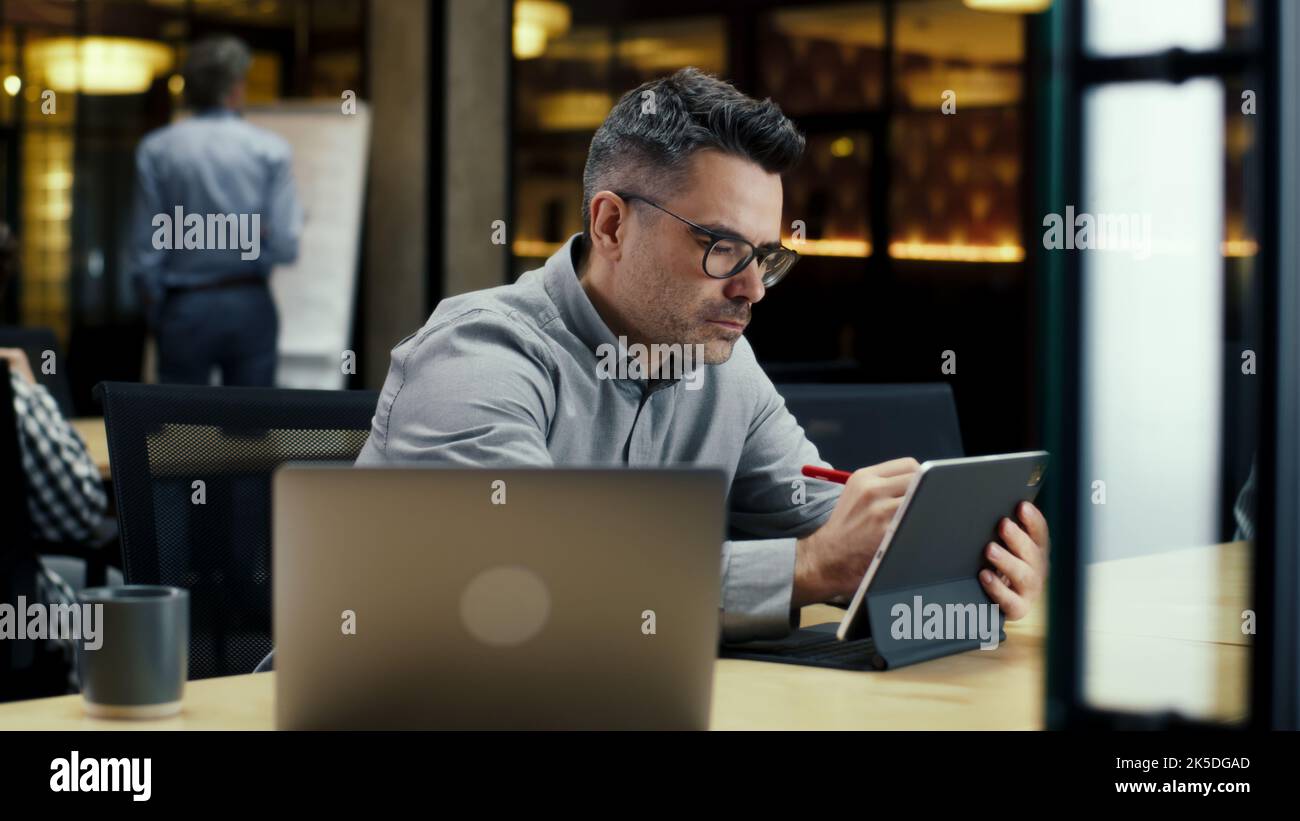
(561, 278)
(560, 275)
(216, 112)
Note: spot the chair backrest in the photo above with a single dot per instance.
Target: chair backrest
(821, 372)
(854, 426)
(192, 472)
(35, 342)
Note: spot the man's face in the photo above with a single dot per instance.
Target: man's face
(661, 286)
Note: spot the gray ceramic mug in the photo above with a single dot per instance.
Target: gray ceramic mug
(136, 666)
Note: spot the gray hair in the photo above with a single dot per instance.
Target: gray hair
(649, 136)
(214, 66)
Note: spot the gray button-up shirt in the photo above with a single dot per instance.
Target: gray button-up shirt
(509, 376)
(213, 163)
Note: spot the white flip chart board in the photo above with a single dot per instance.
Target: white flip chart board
(315, 294)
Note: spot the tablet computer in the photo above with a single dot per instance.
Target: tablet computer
(930, 555)
(950, 512)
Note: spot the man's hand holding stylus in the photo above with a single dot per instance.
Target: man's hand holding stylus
(831, 562)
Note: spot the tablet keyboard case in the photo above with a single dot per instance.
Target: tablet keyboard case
(936, 553)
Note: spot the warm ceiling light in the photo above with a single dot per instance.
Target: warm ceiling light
(13, 84)
(1010, 6)
(829, 247)
(529, 41)
(536, 22)
(176, 84)
(100, 65)
(842, 147)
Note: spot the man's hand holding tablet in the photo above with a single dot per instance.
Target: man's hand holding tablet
(831, 562)
(1021, 561)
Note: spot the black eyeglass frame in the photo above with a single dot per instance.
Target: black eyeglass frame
(716, 236)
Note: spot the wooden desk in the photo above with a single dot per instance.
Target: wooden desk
(976, 690)
(92, 432)
(230, 703)
(999, 689)
(1164, 632)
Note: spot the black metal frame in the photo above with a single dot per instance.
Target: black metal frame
(1275, 670)
(1067, 73)
(762, 253)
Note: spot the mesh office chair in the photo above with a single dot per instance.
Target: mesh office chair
(854, 426)
(192, 472)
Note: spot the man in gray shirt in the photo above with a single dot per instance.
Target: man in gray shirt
(626, 348)
(215, 209)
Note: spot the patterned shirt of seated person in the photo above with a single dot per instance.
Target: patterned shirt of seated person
(65, 498)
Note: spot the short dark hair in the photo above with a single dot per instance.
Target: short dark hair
(648, 138)
(214, 66)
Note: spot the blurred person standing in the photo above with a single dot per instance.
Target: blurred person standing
(215, 208)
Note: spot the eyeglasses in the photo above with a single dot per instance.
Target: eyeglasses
(727, 255)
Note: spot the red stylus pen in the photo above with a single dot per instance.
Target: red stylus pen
(828, 474)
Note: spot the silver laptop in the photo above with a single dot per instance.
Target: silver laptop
(448, 598)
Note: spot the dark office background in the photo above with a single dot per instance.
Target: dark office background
(921, 238)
